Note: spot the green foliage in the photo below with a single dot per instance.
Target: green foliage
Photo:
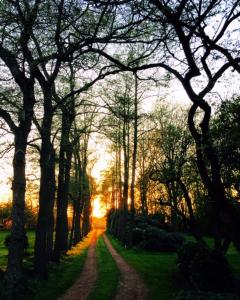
(205, 269)
(108, 274)
(8, 239)
(159, 240)
(185, 256)
(226, 135)
(184, 295)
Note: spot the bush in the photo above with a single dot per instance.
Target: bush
(190, 295)
(151, 244)
(185, 255)
(8, 238)
(138, 236)
(141, 222)
(205, 269)
(210, 271)
(160, 241)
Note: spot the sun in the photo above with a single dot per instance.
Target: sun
(98, 210)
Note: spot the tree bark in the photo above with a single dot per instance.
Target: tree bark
(65, 157)
(45, 223)
(224, 215)
(86, 226)
(14, 272)
(134, 161)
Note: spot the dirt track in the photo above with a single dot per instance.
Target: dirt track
(130, 286)
(85, 283)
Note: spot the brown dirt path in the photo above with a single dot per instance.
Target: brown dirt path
(85, 283)
(130, 286)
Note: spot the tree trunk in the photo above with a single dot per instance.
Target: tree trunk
(124, 209)
(86, 227)
(79, 197)
(14, 271)
(194, 227)
(225, 217)
(134, 161)
(65, 157)
(73, 224)
(16, 246)
(45, 223)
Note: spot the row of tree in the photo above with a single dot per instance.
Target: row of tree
(167, 176)
(52, 52)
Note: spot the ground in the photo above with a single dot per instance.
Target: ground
(130, 285)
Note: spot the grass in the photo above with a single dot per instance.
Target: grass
(108, 274)
(61, 276)
(157, 270)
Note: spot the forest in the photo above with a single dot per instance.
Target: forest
(119, 149)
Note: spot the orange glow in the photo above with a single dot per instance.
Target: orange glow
(5, 192)
(98, 210)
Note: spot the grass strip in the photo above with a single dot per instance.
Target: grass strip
(62, 276)
(108, 274)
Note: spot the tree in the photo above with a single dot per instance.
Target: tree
(184, 52)
(22, 17)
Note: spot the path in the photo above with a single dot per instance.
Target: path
(131, 286)
(85, 283)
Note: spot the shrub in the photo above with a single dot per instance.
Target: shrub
(210, 271)
(138, 236)
(152, 244)
(141, 222)
(205, 269)
(8, 238)
(160, 241)
(185, 255)
(197, 295)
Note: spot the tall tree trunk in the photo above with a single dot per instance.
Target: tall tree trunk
(134, 160)
(70, 244)
(65, 157)
(45, 223)
(79, 197)
(124, 210)
(134, 155)
(86, 226)
(224, 217)
(194, 227)
(18, 235)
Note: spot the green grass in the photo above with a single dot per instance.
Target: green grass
(108, 274)
(60, 279)
(158, 271)
(61, 276)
